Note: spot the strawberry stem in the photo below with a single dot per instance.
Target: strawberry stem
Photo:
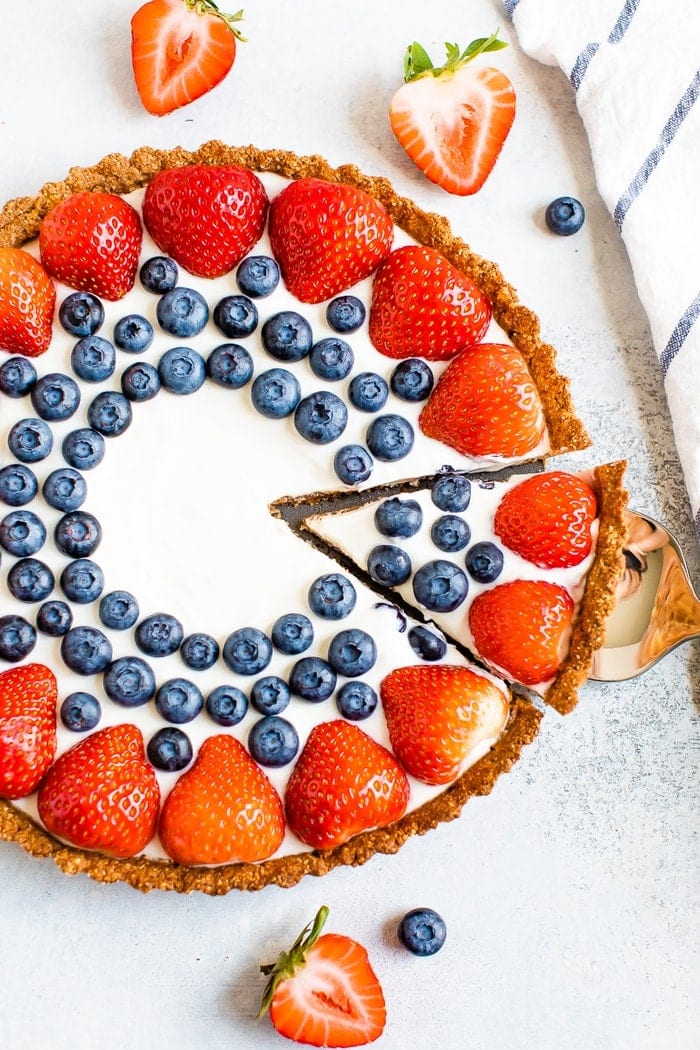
(418, 63)
(208, 7)
(289, 962)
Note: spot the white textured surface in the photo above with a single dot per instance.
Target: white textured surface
(570, 893)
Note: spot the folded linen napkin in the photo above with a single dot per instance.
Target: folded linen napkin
(634, 68)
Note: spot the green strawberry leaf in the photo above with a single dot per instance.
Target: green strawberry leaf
(418, 63)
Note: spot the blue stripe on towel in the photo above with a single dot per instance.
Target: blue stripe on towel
(665, 138)
(624, 18)
(510, 6)
(581, 64)
(679, 334)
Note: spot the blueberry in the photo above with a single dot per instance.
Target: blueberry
(352, 653)
(109, 413)
(18, 485)
(182, 370)
(54, 618)
(422, 931)
(312, 679)
(133, 333)
(247, 651)
(287, 336)
(17, 377)
(159, 274)
(82, 581)
(270, 695)
(450, 533)
(484, 561)
(179, 701)
(30, 580)
(440, 586)
(129, 681)
(451, 492)
(83, 448)
(81, 313)
(412, 379)
(292, 633)
(368, 391)
(258, 276)
(93, 359)
(119, 610)
(65, 489)
(159, 635)
(426, 644)
(331, 359)
(565, 215)
(273, 742)
(388, 565)
(199, 651)
(332, 596)
(30, 440)
(17, 638)
(86, 650)
(169, 750)
(236, 316)
(275, 393)
(182, 312)
(140, 381)
(80, 712)
(390, 437)
(321, 417)
(226, 705)
(55, 397)
(22, 533)
(356, 701)
(345, 313)
(353, 464)
(398, 517)
(230, 365)
(78, 534)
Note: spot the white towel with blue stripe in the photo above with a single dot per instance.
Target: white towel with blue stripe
(634, 68)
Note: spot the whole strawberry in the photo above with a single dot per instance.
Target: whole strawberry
(27, 728)
(91, 241)
(423, 306)
(102, 794)
(547, 519)
(223, 809)
(343, 783)
(326, 237)
(27, 301)
(206, 217)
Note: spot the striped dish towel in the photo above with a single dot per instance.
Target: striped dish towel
(634, 68)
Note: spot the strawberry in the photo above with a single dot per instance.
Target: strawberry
(222, 809)
(522, 628)
(323, 991)
(27, 728)
(327, 236)
(452, 120)
(343, 783)
(206, 217)
(485, 403)
(422, 305)
(436, 715)
(27, 301)
(91, 241)
(180, 49)
(547, 519)
(102, 794)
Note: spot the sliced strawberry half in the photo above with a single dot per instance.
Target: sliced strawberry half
(547, 519)
(27, 302)
(27, 728)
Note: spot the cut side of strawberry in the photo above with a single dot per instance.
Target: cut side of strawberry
(27, 303)
(27, 728)
(547, 519)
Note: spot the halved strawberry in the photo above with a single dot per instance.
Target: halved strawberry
(223, 809)
(27, 728)
(327, 236)
(437, 715)
(323, 991)
(91, 241)
(547, 519)
(522, 628)
(452, 120)
(485, 403)
(206, 216)
(102, 794)
(27, 301)
(343, 783)
(180, 49)
(423, 306)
